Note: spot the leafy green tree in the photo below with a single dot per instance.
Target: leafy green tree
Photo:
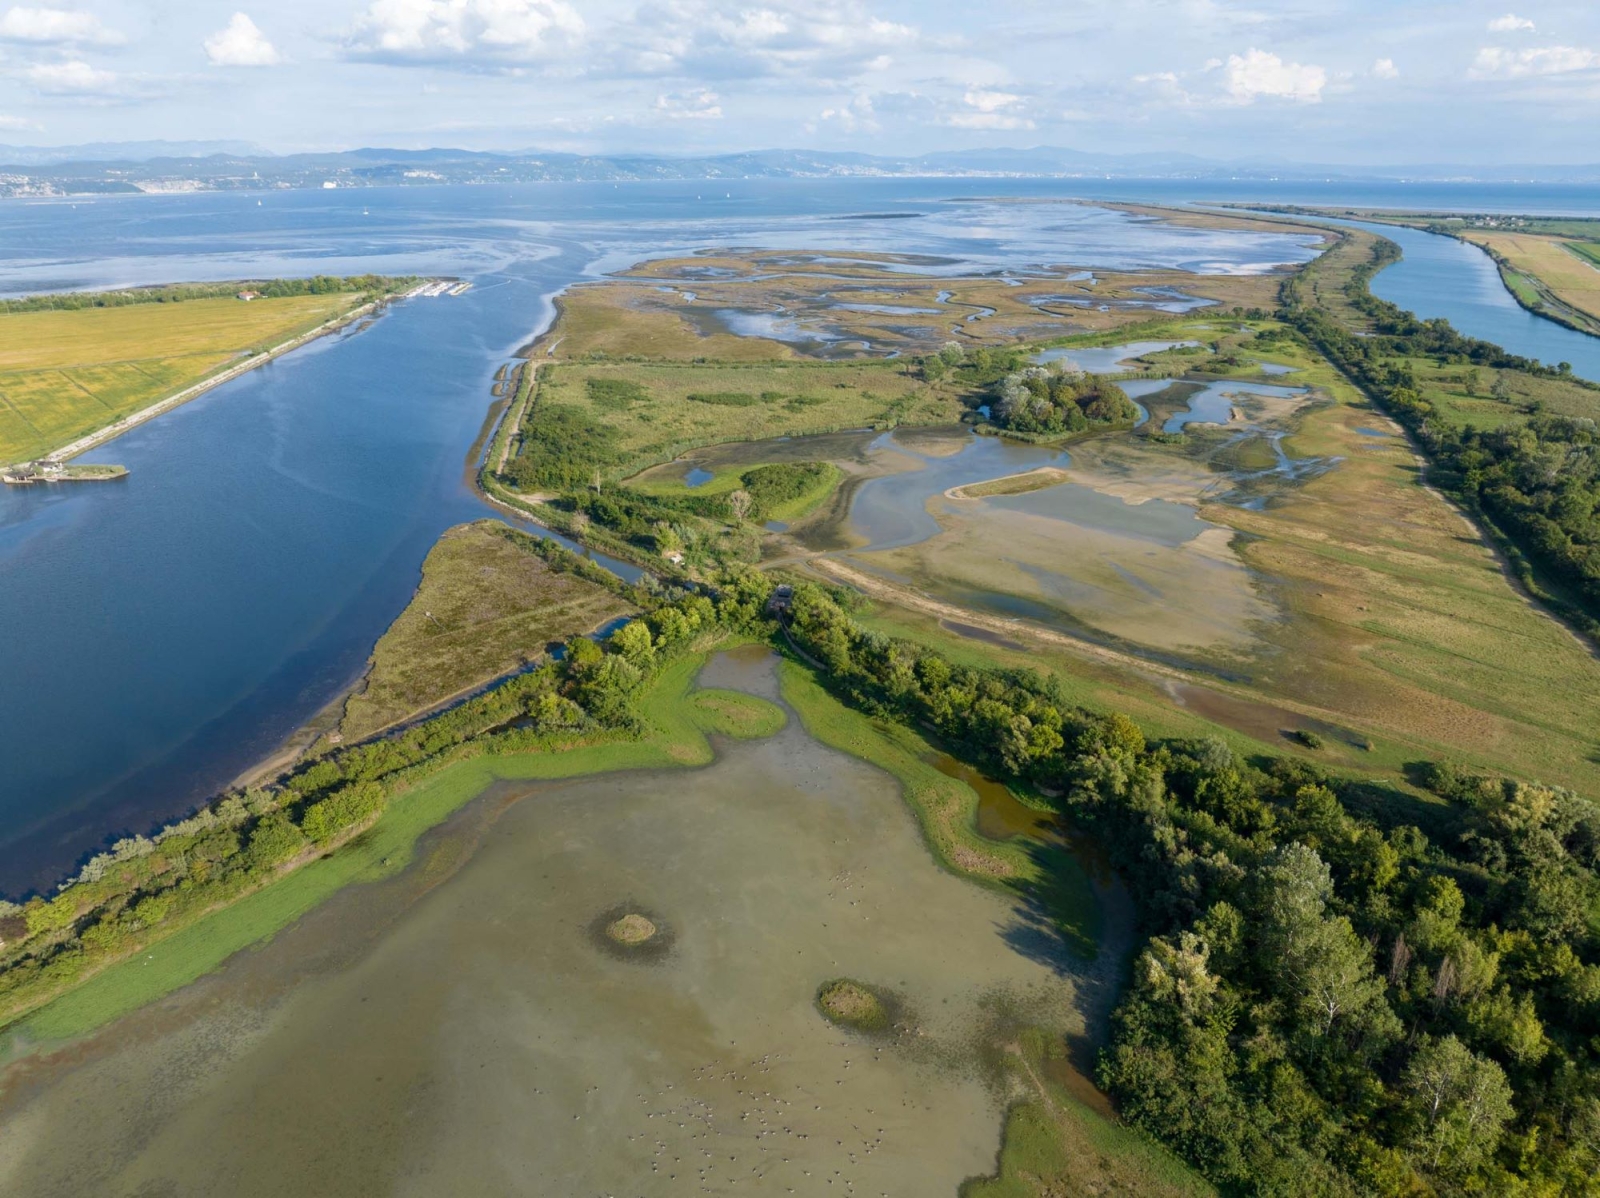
(634, 642)
(1459, 1103)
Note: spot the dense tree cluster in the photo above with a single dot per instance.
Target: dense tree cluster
(1039, 400)
(1333, 1001)
(272, 289)
(1538, 480)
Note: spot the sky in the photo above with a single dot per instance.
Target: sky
(1321, 81)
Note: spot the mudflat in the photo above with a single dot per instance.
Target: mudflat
(457, 1029)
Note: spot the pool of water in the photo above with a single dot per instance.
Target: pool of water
(1160, 521)
(696, 477)
(1214, 403)
(1109, 359)
(892, 512)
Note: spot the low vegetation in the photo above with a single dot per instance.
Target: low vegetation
(854, 1005)
(492, 600)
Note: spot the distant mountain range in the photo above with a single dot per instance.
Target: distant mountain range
(163, 167)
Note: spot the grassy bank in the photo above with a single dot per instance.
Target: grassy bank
(1057, 1144)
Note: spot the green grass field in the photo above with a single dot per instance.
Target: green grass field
(65, 374)
(730, 478)
(739, 402)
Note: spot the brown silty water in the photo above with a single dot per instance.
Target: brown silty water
(461, 1029)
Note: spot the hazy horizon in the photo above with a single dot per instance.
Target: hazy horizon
(1318, 81)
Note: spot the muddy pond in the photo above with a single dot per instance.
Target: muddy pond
(598, 987)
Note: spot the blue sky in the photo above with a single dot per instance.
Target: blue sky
(1359, 81)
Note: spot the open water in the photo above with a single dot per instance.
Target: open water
(158, 636)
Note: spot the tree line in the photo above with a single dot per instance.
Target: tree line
(176, 294)
(1345, 989)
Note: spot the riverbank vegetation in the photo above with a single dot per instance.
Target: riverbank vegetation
(1411, 1006)
(492, 600)
(596, 708)
(72, 365)
(1551, 264)
(1529, 468)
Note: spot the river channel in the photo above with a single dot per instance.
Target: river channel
(162, 634)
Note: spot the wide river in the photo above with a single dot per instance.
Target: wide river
(159, 636)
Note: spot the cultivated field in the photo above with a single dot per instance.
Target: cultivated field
(65, 374)
(1556, 263)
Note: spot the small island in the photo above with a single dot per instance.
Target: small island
(855, 1005)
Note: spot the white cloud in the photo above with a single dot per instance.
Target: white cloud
(991, 101)
(1511, 23)
(55, 27)
(701, 104)
(463, 31)
(1384, 68)
(72, 78)
(1249, 76)
(990, 109)
(1496, 62)
(7, 121)
(823, 40)
(855, 115)
(241, 44)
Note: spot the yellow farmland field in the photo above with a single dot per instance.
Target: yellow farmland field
(64, 374)
(1569, 277)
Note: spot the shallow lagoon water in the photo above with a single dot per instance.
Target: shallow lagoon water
(1109, 359)
(892, 511)
(1214, 403)
(457, 1030)
(1160, 521)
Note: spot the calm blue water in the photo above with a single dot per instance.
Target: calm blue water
(158, 636)
(1440, 276)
